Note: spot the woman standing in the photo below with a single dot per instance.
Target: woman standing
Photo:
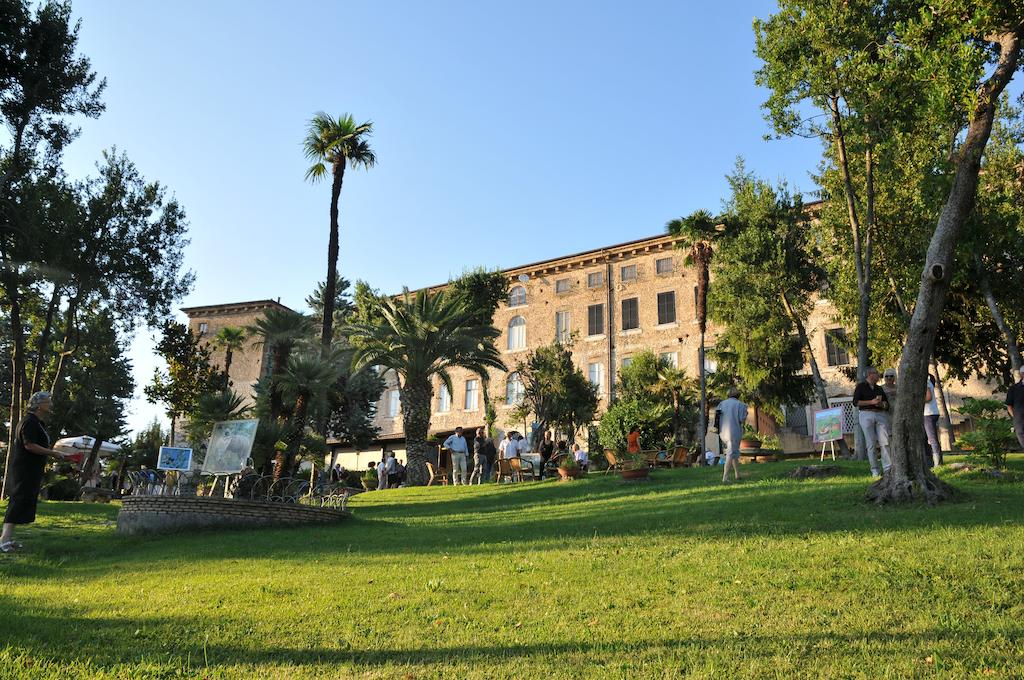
(29, 449)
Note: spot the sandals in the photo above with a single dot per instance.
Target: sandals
(10, 546)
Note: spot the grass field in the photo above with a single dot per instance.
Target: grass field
(594, 578)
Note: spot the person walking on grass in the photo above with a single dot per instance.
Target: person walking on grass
(479, 457)
(732, 415)
(456, 444)
(873, 414)
(29, 450)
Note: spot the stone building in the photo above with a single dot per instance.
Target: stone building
(251, 362)
(612, 302)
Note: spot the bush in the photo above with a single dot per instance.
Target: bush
(653, 421)
(992, 434)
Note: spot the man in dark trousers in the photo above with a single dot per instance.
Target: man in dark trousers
(1015, 407)
(873, 414)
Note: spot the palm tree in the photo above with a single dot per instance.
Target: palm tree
(230, 339)
(421, 337)
(679, 387)
(279, 330)
(335, 143)
(306, 379)
(697, 233)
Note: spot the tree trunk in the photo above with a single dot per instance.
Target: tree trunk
(819, 382)
(675, 417)
(90, 462)
(285, 460)
(42, 349)
(1012, 348)
(702, 421)
(416, 395)
(66, 349)
(945, 421)
(909, 478)
(18, 376)
(227, 368)
(327, 332)
(863, 280)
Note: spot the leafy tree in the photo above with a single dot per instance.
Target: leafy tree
(991, 435)
(335, 143)
(421, 337)
(765, 340)
(144, 450)
(352, 403)
(681, 391)
(306, 380)
(280, 330)
(343, 303)
(621, 417)
(555, 390)
(230, 339)
(483, 291)
(189, 374)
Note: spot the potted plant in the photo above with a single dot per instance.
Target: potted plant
(634, 467)
(568, 468)
(750, 441)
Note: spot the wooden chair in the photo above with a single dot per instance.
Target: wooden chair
(613, 461)
(437, 474)
(503, 469)
(650, 457)
(517, 467)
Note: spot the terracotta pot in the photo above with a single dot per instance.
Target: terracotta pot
(637, 473)
(750, 445)
(573, 473)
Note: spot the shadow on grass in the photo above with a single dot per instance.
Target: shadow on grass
(683, 504)
(101, 642)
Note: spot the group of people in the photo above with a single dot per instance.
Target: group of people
(875, 401)
(390, 471)
(512, 445)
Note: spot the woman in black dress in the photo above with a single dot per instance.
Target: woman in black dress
(30, 448)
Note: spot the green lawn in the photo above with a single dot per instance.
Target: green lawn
(595, 578)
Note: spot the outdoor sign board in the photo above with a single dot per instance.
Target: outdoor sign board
(174, 458)
(230, 446)
(828, 425)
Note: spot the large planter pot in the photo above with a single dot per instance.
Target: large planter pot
(574, 473)
(636, 473)
(750, 445)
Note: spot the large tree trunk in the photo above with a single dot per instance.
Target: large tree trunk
(18, 377)
(909, 478)
(945, 421)
(1012, 348)
(275, 391)
(702, 258)
(227, 367)
(327, 332)
(416, 395)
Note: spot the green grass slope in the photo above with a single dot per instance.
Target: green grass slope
(682, 576)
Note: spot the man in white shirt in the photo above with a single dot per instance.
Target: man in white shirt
(459, 449)
(581, 456)
(504, 450)
(382, 474)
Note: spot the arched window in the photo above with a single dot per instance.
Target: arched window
(514, 390)
(517, 333)
(517, 297)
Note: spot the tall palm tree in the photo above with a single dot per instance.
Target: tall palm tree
(335, 142)
(306, 379)
(679, 387)
(421, 337)
(230, 339)
(697, 234)
(279, 330)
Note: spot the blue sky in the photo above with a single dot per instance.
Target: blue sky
(505, 133)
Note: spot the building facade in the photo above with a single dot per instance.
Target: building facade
(248, 364)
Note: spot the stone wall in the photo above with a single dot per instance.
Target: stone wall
(163, 514)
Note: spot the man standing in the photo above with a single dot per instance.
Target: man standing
(873, 414)
(547, 447)
(503, 445)
(1015, 407)
(732, 415)
(456, 444)
(479, 457)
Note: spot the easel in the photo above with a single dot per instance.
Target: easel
(830, 444)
